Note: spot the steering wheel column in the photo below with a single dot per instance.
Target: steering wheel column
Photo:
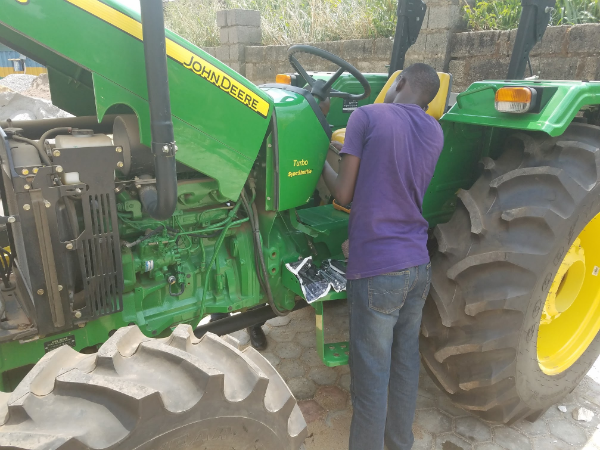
(322, 89)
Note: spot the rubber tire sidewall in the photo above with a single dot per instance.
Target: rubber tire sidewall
(534, 387)
(217, 433)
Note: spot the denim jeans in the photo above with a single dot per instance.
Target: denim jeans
(385, 319)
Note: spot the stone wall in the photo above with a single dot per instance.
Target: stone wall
(367, 55)
(564, 53)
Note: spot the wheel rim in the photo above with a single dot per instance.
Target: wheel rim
(571, 316)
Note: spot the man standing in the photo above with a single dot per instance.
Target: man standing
(388, 159)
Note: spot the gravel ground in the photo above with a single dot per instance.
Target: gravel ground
(40, 88)
(18, 82)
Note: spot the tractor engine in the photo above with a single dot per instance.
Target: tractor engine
(82, 245)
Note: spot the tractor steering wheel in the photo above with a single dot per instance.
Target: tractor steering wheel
(320, 88)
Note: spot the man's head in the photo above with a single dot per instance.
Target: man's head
(419, 84)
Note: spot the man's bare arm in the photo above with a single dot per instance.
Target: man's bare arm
(342, 185)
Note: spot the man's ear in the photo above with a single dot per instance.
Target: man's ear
(401, 83)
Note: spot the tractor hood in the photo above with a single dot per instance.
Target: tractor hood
(95, 58)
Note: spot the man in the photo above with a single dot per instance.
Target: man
(389, 156)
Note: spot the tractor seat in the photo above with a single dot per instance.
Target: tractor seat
(437, 107)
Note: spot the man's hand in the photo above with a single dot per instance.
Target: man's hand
(342, 185)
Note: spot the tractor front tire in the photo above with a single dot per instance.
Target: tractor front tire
(141, 393)
(502, 271)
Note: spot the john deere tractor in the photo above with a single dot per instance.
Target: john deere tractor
(180, 189)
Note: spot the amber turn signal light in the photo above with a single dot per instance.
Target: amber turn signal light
(283, 78)
(515, 100)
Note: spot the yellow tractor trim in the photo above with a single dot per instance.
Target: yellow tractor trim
(571, 315)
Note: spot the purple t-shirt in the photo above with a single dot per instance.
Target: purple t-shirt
(398, 146)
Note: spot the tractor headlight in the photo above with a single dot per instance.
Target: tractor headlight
(516, 100)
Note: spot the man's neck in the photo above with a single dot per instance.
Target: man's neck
(408, 100)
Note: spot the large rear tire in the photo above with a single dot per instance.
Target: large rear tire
(141, 393)
(485, 338)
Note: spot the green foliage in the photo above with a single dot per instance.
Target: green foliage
(287, 21)
(493, 14)
(572, 12)
(505, 14)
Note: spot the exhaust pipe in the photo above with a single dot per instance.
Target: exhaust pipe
(160, 201)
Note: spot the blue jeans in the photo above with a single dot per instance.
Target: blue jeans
(385, 319)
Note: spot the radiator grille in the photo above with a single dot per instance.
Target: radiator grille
(100, 256)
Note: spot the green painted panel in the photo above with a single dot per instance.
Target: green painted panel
(477, 105)
(457, 168)
(337, 118)
(302, 144)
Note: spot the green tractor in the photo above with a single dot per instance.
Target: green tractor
(180, 190)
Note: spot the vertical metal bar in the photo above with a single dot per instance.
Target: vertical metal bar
(532, 26)
(410, 19)
(48, 263)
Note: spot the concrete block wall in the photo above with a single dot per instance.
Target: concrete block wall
(367, 55)
(565, 53)
(443, 18)
(238, 28)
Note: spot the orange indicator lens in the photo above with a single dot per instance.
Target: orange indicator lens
(514, 99)
(283, 79)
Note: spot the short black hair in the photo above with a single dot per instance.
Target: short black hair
(423, 78)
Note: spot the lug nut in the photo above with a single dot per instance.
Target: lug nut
(47, 204)
(59, 169)
(27, 187)
(165, 149)
(119, 149)
(35, 170)
(77, 314)
(69, 246)
(120, 164)
(26, 206)
(60, 288)
(11, 219)
(56, 153)
(25, 172)
(40, 292)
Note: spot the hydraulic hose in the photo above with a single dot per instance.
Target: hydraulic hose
(218, 243)
(260, 258)
(161, 201)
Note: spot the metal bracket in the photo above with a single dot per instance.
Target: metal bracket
(166, 148)
(48, 262)
(9, 219)
(332, 353)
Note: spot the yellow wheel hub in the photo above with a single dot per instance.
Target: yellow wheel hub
(571, 316)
